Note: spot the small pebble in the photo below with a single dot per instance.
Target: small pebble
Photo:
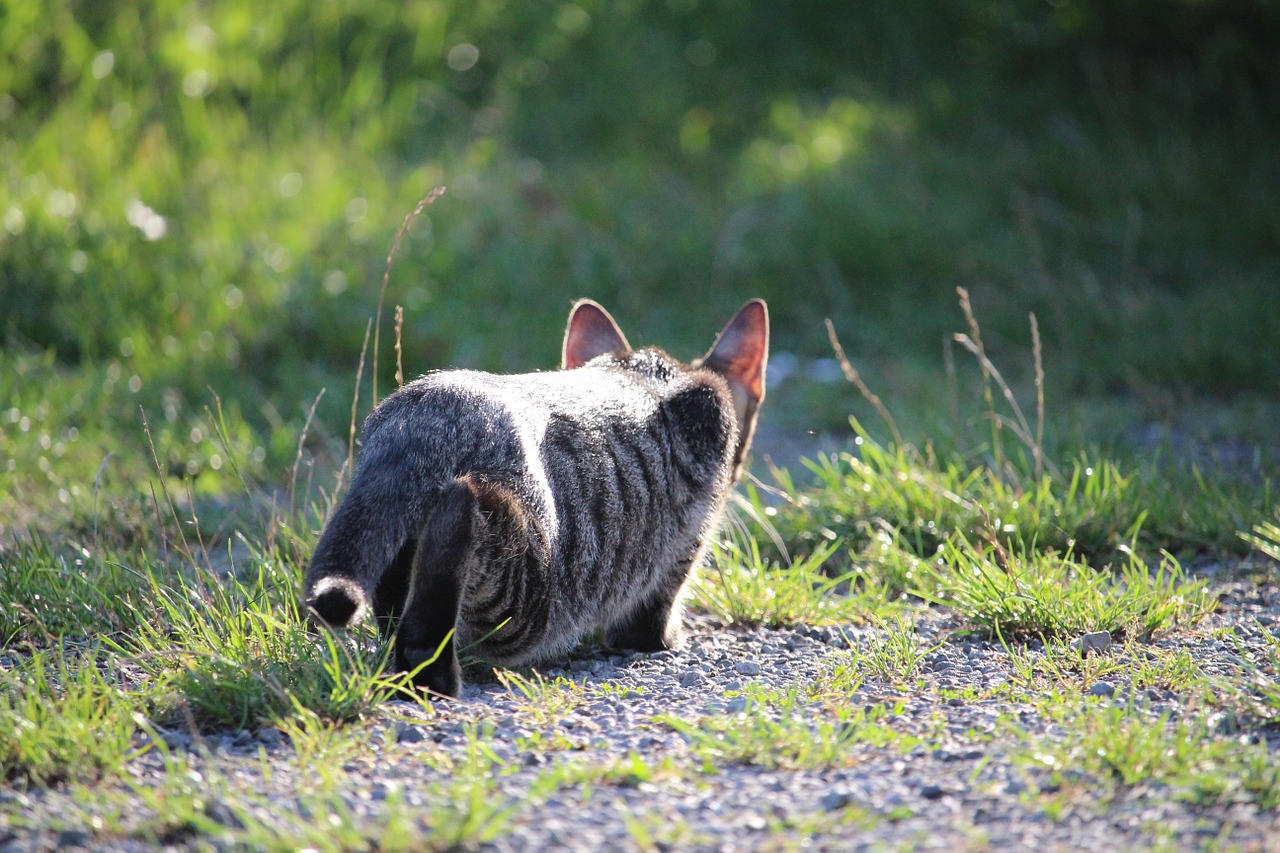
(271, 737)
(835, 800)
(408, 733)
(1095, 642)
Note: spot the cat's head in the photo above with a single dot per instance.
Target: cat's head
(739, 356)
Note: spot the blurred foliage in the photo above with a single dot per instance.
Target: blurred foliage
(202, 194)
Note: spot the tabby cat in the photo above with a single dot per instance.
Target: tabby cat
(524, 512)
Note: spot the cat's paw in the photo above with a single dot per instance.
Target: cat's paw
(645, 639)
(441, 676)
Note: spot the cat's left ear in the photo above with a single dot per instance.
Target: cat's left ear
(740, 354)
(591, 332)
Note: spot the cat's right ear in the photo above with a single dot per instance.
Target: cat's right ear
(591, 332)
(740, 353)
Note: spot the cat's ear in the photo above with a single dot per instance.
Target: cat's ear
(591, 332)
(740, 354)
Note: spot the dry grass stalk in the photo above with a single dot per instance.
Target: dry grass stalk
(851, 374)
(386, 274)
(164, 487)
(1018, 425)
(1037, 358)
(297, 460)
(975, 346)
(349, 464)
(399, 351)
(991, 375)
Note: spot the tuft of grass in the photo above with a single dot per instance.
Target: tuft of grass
(653, 832)
(1052, 596)
(745, 588)
(630, 771)
(922, 498)
(1057, 667)
(239, 655)
(779, 731)
(62, 719)
(893, 653)
(1128, 749)
(50, 593)
(547, 701)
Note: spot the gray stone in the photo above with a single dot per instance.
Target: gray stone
(1095, 642)
(835, 800)
(271, 737)
(409, 733)
(74, 838)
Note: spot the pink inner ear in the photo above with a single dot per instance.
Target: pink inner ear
(591, 332)
(742, 349)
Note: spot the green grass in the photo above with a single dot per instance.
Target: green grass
(787, 738)
(745, 588)
(545, 700)
(923, 499)
(67, 592)
(894, 653)
(195, 802)
(1054, 596)
(1122, 749)
(246, 657)
(64, 718)
(1058, 667)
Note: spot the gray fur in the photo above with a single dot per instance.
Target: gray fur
(528, 511)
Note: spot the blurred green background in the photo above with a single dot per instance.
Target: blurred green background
(199, 197)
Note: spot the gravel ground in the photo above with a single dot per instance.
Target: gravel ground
(952, 781)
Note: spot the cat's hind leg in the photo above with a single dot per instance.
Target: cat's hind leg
(657, 622)
(393, 589)
(436, 582)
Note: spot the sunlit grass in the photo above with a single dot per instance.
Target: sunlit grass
(1121, 748)
(196, 801)
(778, 731)
(894, 653)
(63, 717)
(1044, 594)
(242, 656)
(546, 701)
(745, 588)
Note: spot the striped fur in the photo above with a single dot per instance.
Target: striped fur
(524, 512)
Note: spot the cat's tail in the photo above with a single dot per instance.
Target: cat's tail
(373, 529)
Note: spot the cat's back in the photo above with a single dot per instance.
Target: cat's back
(608, 391)
(462, 421)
